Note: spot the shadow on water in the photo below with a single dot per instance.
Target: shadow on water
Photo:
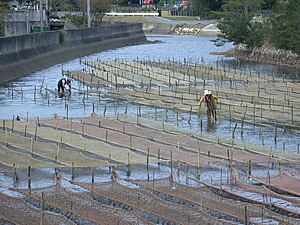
(35, 95)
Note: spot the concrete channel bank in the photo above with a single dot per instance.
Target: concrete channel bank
(20, 55)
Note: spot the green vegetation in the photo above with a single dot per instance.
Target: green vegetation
(79, 21)
(255, 23)
(61, 5)
(241, 23)
(4, 7)
(1, 28)
(62, 36)
(205, 7)
(98, 10)
(285, 32)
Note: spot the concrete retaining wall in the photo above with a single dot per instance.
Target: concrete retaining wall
(20, 22)
(23, 54)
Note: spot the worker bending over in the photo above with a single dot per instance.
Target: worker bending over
(211, 104)
(62, 83)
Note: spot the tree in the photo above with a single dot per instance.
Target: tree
(269, 4)
(98, 10)
(62, 5)
(4, 9)
(203, 7)
(286, 26)
(241, 23)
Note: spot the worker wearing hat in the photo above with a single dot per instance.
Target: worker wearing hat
(211, 103)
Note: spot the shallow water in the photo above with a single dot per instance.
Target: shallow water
(25, 98)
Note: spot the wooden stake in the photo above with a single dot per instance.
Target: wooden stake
(171, 156)
(246, 216)
(128, 166)
(5, 138)
(104, 111)
(234, 130)
(16, 177)
(158, 156)
(250, 168)
(4, 127)
(57, 152)
(13, 124)
(29, 177)
(73, 171)
(32, 143)
(42, 222)
(36, 132)
(198, 163)
(34, 95)
(93, 176)
(130, 141)
(148, 158)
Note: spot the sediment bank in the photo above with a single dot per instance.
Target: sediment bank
(266, 55)
(20, 55)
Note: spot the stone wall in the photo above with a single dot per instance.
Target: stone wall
(23, 54)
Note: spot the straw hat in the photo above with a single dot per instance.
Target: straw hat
(207, 92)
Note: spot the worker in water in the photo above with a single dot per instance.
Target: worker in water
(62, 83)
(211, 103)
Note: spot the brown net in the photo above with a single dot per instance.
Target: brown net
(82, 207)
(210, 201)
(149, 203)
(48, 151)
(17, 211)
(284, 181)
(101, 148)
(15, 159)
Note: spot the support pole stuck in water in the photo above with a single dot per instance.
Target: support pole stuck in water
(128, 166)
(29, 177)
(158, 157)
(234, 130)
(57, 152)
(31, 145)
(93, 176)
(73, 171)
(198, 164)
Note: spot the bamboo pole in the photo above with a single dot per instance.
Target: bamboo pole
(128, 166)
(29, 177)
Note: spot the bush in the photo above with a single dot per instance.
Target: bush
(62, 36)
(79, 21)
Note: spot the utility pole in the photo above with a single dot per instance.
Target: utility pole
(89, 13)
(41, 15)
(47, 13)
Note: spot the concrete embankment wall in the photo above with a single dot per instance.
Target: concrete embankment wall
(23, 54)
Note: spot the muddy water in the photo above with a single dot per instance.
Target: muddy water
(26, 98)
